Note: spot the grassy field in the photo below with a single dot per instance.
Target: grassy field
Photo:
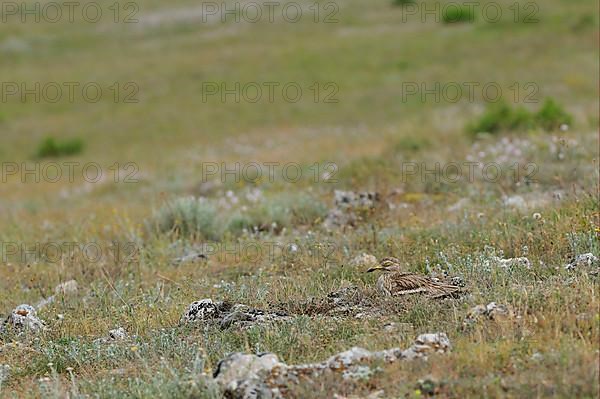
(164, 145)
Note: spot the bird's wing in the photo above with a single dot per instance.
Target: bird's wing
(439, 290)
(407, 283)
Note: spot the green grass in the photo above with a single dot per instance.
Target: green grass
(187, 216)
(457, 13)
(552, 115)
(53, 148)
(501, 117)
(546, 209)
(403, 2)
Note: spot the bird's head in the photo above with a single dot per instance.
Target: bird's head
(388, 264)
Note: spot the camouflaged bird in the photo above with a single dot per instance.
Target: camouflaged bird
(395, 282)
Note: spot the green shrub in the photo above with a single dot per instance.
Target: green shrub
(50, 147)
(455, 13)
(500, 116)
(402, 2)
(188, 216)
(587, 21)
(552, 115)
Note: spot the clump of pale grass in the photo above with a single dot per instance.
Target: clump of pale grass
(188, 216)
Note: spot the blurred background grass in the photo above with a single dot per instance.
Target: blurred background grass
(369, 54)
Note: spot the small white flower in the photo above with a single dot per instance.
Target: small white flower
(537, 216)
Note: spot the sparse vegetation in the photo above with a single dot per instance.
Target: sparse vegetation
(411, 144)
(502, 117)
(455, 13)
(188, 216)
(403, 2)
(50, 147)
(552, 116)
(513, 234)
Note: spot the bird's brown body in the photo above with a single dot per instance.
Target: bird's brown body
(395, 282)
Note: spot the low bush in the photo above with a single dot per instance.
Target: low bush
(552, 115)
(52, 148)
(455, 13)
(502, 117)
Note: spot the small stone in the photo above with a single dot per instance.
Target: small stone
(193, 257)
(204, 309)
(363, 260)
(583, 260)
(345, 359)
(491, 311)
(227, 315)
(537, 357)
(438, 342)
(24, 317)
(244, 376)
(240, 366)
(117, 334)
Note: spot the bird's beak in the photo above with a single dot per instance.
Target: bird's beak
(374, 268)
